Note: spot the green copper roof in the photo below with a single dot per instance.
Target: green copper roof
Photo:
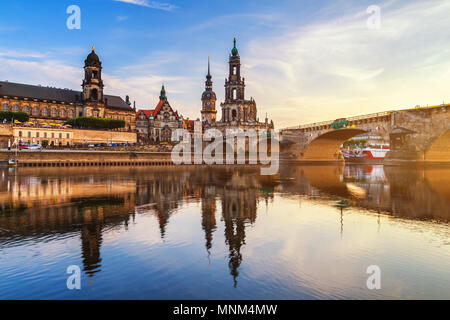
(163, 94)
(234, 51)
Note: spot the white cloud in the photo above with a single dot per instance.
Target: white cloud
(340, 68)
(151, 4)
(325, 70)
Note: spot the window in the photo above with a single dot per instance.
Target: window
(37, 134)
(29, 134)
(16, 108)
(94, 94)
(60, 135)
(45, 112)
(53, 134)
(62, 113)
(20, 133)
(54, 112)
(45, 134)
(71, 113)
(26, 109)
(234, 94)
(35, 111)
(68, 136)
(5, 106)
(234, 70)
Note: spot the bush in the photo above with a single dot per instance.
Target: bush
(96, 123)
(10, 115)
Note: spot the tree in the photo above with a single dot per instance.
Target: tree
(10, 115)
(96, 123)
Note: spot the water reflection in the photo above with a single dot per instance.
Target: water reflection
(45, 204)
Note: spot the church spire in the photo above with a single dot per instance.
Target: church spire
(234, 51)
(208, 83)
(209, 99)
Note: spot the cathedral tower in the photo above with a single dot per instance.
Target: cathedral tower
(208, 100)
(92, 83)
(234, 85)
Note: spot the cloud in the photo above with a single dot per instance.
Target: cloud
(330, 68)
(151, 4)
(230, 19)
(338, 67)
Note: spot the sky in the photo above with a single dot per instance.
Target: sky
(303, 60)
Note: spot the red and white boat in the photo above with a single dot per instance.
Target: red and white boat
(374, 153)
(367, 154)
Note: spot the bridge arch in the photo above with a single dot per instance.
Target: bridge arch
(326, 146)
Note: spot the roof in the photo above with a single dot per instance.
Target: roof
(54, 94)
(148, 113)
(158, 107)
(92, 60)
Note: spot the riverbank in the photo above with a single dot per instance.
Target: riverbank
(84, 158)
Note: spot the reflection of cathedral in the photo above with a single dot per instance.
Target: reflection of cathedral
(237, 112)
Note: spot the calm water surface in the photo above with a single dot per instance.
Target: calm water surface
(225, 233)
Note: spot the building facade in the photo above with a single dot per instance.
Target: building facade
(45, 104)
(237, 112)
(157, 125)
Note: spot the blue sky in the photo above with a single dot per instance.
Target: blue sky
(303, 61)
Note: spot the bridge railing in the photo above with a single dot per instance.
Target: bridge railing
(329, 122)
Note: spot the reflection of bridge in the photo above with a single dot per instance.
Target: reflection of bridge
(415, 134)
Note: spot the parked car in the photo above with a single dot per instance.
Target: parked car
(35, 147)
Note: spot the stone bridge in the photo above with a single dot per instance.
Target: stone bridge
(422, 133)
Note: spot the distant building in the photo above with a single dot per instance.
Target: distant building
(237, 112)
(157, 125)
(45, 104)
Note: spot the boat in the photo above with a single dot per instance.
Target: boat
(10, 162)
(368, 154)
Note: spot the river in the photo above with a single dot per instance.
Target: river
(309, 232)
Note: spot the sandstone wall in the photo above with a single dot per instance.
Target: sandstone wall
(97, 136)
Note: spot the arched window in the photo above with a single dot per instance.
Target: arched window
(26, 109)
(71, 113)
(94, 94)
(5, 107)
(16, 108)
(35, 111)
(44, 112)
(62, 113)
(233, 114)
(54, 112)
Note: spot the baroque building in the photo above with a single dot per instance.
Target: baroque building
(237, 112)
(45, 104)
(156, 126)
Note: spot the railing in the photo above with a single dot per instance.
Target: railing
(329, 122)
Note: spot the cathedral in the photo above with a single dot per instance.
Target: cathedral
(237, 112)
(45, 104)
